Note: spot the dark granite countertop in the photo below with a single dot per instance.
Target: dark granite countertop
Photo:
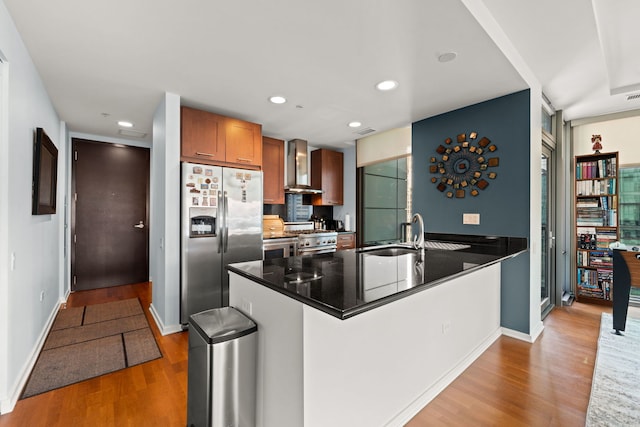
(346, 283)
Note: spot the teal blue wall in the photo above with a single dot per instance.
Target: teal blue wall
(503, 206)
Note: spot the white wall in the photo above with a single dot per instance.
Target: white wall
(621, 135)
(164, 223)
(34, 240)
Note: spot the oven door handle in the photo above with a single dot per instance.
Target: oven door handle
(312, 251)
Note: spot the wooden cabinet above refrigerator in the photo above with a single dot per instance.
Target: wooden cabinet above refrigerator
(213, 139)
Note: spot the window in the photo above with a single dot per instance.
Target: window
(629, 209)
(547, 121)
(629, 216)
(385, 201)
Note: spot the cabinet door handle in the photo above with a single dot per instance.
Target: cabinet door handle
(268, 200)
(242, 159)
(199, 153)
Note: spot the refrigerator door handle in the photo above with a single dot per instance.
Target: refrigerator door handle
(219, 223)
(226, 226)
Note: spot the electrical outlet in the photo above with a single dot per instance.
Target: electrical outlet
(446, 326)
(246, 306)
(471, 218)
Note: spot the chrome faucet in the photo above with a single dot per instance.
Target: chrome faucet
(418, 241)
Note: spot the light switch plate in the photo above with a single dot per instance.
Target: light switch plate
(471, 218)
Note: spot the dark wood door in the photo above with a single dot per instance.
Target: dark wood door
(109, 215)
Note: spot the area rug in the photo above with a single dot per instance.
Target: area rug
(86, 342)
(615, 391)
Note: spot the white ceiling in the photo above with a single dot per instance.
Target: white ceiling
(104, 61)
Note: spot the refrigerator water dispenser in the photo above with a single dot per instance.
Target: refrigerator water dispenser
(201, 225)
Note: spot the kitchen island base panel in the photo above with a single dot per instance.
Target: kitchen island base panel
(378, 368)
(280, 360)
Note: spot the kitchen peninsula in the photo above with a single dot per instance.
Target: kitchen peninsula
(369, 336)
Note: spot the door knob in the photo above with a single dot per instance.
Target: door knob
(139, 225)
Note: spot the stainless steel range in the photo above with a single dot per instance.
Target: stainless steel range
(317, 242)
(311, 241)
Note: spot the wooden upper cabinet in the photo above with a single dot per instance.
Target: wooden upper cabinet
(202, 134)
(243, 142)
(327, 173)
(273, 170)
(218, 140)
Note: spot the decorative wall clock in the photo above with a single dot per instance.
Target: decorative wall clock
(463, 166)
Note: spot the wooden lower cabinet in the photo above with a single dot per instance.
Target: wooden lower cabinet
(346, 241)
(273, 170)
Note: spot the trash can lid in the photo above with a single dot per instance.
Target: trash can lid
(222, 324)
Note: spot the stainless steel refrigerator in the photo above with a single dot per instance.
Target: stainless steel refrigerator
(221, 223)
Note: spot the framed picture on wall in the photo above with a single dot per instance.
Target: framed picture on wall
(45, 174)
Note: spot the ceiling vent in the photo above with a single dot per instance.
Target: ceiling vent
(132, 133)
(365, 131)
(632, 97)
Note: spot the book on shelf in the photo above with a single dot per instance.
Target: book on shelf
(605, 237)
(582, 258)
(590, 202)
(588, 283)
(603, 215)
(601, 259)
(605, 282)
(601, 168)
(591, 187)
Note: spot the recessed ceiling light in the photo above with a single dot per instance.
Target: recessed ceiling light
(355, 124)
(447, 56)
(125, 124)
(387, 85)
(278, 99)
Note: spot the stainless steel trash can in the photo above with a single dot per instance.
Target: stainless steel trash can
(221, 388)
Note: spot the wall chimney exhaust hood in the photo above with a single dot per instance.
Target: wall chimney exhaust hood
(298, 174)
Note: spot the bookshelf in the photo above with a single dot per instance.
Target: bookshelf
(596, 227)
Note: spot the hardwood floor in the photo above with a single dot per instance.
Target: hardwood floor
(150, 394)
(512, 384)
(519, 384)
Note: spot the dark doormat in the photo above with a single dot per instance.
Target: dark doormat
(86, 342)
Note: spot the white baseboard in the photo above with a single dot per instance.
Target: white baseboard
(537, 330)
(164, 329)
(530, 338)
(429, 394)
(9, 404)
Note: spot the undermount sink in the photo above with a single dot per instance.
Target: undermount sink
(391, 251)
